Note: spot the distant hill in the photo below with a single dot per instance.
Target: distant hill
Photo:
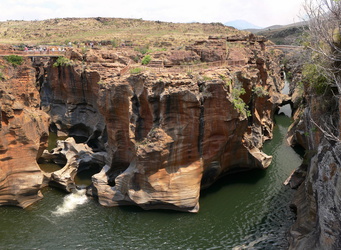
(113, 30)
(282, 34)
(242, 25)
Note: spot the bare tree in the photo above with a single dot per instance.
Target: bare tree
(324, 29)
(324, 21)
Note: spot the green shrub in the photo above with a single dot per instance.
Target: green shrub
(207, 78)
(146, 59)
(115, 43)
(135, 70)
(101, 83)
(238, 102)
(84, 50)
(222, 77)
(2, 77)
(63, 61)
(260, 91)
(312, 75)
(143, 49)
(15, 60)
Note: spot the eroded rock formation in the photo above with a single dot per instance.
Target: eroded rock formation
(316, 201)
(23, 134)
(76, 157)
(167, 132)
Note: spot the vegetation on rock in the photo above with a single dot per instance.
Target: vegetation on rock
(146, 59)
(135, 70)
(63, 61)
(15, 60)
(239, 103)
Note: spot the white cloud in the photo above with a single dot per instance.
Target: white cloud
(262, 13)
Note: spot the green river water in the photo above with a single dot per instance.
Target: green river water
(243, 211)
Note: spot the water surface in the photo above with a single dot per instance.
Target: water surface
(243, 211)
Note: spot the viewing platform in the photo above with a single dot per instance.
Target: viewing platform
(32, 53)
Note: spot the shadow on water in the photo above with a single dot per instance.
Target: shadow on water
(299, 150)
(245, 177)
(136, 209)
(272, 230)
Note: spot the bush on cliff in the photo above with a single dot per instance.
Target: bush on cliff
(239, 103)
(63, 61)
(315, 78)
(15, 60)
(146, 60)
(135, 70)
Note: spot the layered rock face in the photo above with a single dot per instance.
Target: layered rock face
(316, 201)
(167, 133)
(69, 96)
(170, 134)
(23, 134)
(75, 157)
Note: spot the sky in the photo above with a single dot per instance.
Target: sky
(262, 13)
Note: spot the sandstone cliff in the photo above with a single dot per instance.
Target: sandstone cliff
(167, 132)
(23, 134)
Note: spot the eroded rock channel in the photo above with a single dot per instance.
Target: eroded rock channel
(156, 137)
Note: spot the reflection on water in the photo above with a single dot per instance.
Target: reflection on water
(242, 211)
(49, 167)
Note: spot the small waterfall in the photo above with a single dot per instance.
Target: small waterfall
(286, 89)
(71, 201)
(286, 109)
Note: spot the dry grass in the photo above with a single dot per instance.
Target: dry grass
(139, 32)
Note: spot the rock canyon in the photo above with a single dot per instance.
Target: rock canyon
(156, 134)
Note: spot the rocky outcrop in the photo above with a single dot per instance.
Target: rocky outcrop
(168, 133)
(76, 156)
(316, 201)
(69, 96)
(23, 135)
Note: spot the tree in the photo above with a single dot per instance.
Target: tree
(324, 22)
(323, 72)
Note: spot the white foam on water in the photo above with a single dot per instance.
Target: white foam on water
(70, 202)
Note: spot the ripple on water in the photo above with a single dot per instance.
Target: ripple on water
(246, 211)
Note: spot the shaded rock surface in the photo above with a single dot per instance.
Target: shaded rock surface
(77, 157)
(23, 135)
(167, 134)
(170, 134)
(316, 201)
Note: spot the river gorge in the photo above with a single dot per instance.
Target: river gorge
(243, 211)
(169, 138)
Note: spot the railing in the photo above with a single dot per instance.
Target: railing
(32, 53)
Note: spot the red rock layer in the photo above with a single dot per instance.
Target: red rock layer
(23, 134)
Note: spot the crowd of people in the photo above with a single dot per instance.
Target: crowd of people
(44, 49)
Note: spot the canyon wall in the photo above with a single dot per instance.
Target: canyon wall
(23, 135)
(166, 133)
(316, 201)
